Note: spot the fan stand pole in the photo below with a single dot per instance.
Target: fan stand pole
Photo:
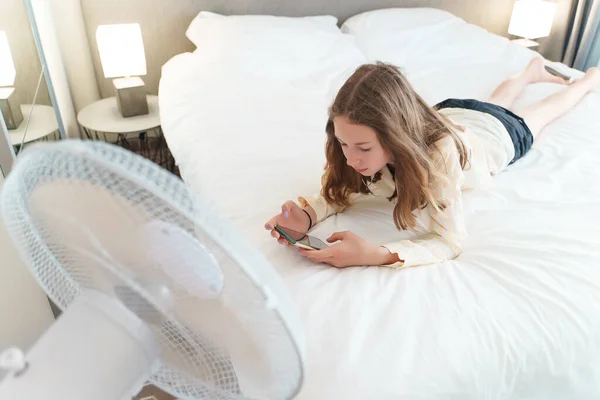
(96, 350)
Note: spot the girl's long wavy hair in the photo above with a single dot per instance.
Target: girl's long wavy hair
(380, 97)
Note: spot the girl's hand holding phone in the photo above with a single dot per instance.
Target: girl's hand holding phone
(291, 217)
(351, 250)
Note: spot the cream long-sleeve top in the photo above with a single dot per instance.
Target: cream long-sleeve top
(439, 233)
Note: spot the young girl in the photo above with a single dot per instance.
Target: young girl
(384, 140)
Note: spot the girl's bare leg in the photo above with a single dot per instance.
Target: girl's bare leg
(540, 114)
(509, 90)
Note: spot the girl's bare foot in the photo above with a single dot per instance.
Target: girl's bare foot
(536, 72)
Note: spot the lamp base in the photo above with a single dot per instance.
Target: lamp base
(131, 96)
(11, 111)
(526, 42)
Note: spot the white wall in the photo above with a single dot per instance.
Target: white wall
(24, 309)
(76, 53)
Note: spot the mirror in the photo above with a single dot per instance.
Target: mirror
(26, 105)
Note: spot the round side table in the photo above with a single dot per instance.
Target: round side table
(141, 134)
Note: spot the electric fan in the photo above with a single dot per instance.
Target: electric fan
(154, 285)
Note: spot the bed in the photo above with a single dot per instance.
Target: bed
(515, 316)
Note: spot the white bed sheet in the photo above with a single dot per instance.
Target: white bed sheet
(516, 316)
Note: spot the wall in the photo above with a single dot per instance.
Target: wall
(75, 52)
(24, 310)
(14, 20)
(164, 22)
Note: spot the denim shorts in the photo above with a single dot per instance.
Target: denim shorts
(516, 127)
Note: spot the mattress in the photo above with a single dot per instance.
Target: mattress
(515, 316)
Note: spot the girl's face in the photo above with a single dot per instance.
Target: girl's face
(361, 146)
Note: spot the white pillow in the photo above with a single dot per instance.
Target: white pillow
(267, 46)
(394, 19)
(441, 55)
(418, 39)
(328, 22)
(257, 31)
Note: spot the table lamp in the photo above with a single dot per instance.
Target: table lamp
(531, 19)
(11, 112)
(122, 56)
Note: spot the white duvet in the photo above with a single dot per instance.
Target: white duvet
(516, 316)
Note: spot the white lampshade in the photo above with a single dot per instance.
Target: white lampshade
(7, 65)
(532, 19)
(121, 50)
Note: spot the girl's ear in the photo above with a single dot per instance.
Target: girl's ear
(390, 157)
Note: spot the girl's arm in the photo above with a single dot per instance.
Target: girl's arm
(446, 230)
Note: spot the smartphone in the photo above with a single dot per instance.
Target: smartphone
(300, 239)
